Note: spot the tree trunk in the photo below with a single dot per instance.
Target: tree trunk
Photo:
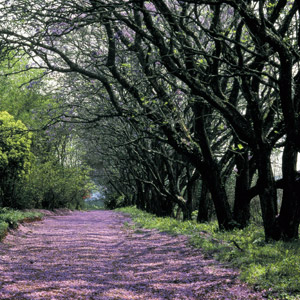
(187, 213)
(241, 210)
(155, 203)
(140, 195)
(267, 195)
(146, 196)
(149, 203)
(289, 217)
(204, 200)
(216, 187)
(190, 186)
(148, 207)
(211, 172)
(166, 207)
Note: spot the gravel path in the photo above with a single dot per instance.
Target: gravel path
(90, 255)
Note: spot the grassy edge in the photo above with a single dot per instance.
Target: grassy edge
(3, 230)
(272, 267)
(11, 219)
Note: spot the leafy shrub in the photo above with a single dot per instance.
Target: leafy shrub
(14, 217)
(113, 201)
(3, 229)
(94, 204)
(52, 186)
(15, 142)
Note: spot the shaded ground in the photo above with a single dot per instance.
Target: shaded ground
(90, 255)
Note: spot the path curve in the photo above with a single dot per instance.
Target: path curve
(91, 256)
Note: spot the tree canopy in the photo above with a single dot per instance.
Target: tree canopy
(194, 89)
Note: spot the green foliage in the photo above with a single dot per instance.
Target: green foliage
(114, 200)
(15, 144)
(3, 229)
(19, 93)
(274, 267)
(94, 205)
(51, 185)
(15, 155)
(12, 218)
(56, 177)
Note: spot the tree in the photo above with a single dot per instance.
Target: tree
(233, 60)
(15, 141)
(55, 174)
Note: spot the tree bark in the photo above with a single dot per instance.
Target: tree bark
(289, 217)
(187, 214)
(241, 210)
(211, 173)
(216, 187)
(267, 195)
(203, 215)
(140, 195)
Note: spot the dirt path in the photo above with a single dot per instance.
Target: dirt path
(89, 255)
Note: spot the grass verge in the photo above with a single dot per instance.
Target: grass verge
(10, 218)
(273, 267)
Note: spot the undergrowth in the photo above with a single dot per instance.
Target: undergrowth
(94, 205)
(273, 267)
(10, 218)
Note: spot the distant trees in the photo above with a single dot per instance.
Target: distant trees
(212, 85)
(38, 167)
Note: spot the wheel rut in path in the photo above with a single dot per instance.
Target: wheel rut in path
(92, 256)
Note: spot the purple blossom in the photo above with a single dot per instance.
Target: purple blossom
(230, 11)
(118, 34)
(90, 255)
(32, 84)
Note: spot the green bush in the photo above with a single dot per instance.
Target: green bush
(3, 229)
(51, 185)
(15, 155)
(12, 218)
(94, 204)
(113, 201)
